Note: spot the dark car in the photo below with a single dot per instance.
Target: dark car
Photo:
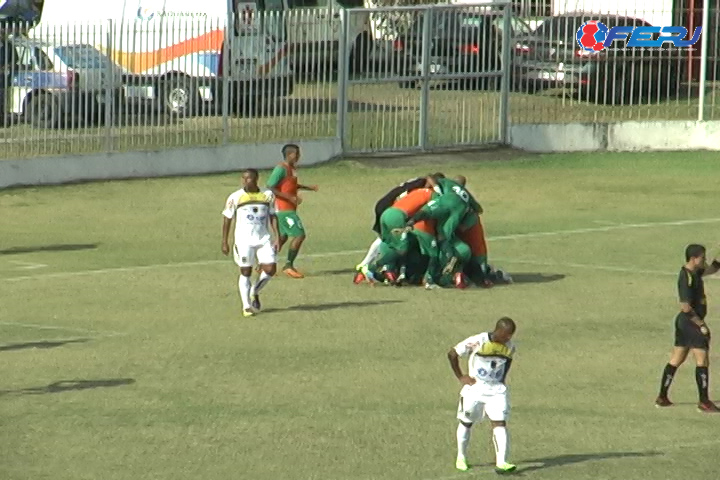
(461, 42)
(551, 57)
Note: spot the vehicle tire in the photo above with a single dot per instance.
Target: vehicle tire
(360, 54)
(42, 111)
(179, 96)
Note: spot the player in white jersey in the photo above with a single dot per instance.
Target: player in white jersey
(256, 237)
(484, 392)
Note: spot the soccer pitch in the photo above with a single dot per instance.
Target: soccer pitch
(124, 354)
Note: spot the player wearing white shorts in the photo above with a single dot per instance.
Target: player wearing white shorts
(484, 392)
(256, 237)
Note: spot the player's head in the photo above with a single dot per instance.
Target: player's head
(460, 180)
(437, 175)
(250, 178)
(695, 255)
(291, 153)
(504, 330)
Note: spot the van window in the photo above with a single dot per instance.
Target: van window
(81, 56)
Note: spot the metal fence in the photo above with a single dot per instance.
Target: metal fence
(382, 79)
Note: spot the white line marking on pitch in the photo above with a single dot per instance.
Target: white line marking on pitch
(27, 265)
(515, 236)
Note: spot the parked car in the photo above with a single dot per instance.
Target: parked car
(550, 57)
(462, 42)
(53, 85)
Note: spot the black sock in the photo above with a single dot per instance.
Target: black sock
(667, 378)
(702, 379)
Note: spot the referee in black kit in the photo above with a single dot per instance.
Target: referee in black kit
(387, 201)
(691, 332)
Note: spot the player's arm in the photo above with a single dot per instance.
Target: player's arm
(454, 359)
(432, 210)
(312, 188)
(474, 204)
(277, 176)
(685, 293)
(228, 215)
(713, 268)
(275, 229)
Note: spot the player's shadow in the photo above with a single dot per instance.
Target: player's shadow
(41, 345)
(70, 386)
(71, 247)
(535, 277)
(338, 271)
(573, 458)
(319, 307)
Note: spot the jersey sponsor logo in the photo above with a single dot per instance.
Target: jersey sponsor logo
(492, 349)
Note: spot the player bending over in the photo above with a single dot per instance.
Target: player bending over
(255, 218)
(387, 201)
(691, 331)
(284, 185)
(484, 391)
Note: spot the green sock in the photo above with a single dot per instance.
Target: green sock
(292, 255)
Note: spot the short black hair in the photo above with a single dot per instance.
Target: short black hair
(253, 172)
(693, 251)
(438, 175)
(289, 146)
(506, 323)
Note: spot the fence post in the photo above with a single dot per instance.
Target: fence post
(343, 79)
(225, 52)
(425, 78)
(506, 65)
(109, 90)
(703, 61)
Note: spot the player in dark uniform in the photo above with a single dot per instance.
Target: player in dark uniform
(387, 201)
(691, 332)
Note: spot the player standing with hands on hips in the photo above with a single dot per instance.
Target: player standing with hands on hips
(284, 185)
(254, 214)
(691, 331)
(484, 391)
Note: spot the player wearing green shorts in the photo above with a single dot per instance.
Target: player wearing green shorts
(284, 184)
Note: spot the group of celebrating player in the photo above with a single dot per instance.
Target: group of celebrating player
(429, 233)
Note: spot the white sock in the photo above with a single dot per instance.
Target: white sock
(244, 287)
(463, 438)
(372, 252)
(501, 441)
(262, 281)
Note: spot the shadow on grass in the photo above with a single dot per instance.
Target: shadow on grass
(42, 344)
(571, 459)
(339, 271)
(535, 277)
(49, 248)
(320, 307)
(70, 386)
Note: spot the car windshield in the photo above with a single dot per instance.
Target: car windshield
(81, 56)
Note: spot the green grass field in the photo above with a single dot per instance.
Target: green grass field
(124, 355)
(381, 116)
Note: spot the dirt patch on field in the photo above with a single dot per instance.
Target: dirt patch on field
(436, 158)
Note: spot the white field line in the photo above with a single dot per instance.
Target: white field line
(516, 236)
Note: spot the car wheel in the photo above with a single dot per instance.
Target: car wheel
(42, 111)
(179, 97)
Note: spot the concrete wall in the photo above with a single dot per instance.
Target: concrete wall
(185, 161)
(617, 137)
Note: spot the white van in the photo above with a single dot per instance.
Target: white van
(170, 50)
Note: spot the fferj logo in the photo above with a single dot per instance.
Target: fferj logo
(594, 36)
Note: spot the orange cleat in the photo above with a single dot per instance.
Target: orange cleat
(292, 273)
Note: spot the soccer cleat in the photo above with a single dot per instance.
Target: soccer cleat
(505, 468)
(460, 280)
(461, 464)
(291, 272)
(504, 276)
(391, 277)
(708, 407)
(247, 312)
(256, 303)
(431, 286)
(358, 278)
(663, 402)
